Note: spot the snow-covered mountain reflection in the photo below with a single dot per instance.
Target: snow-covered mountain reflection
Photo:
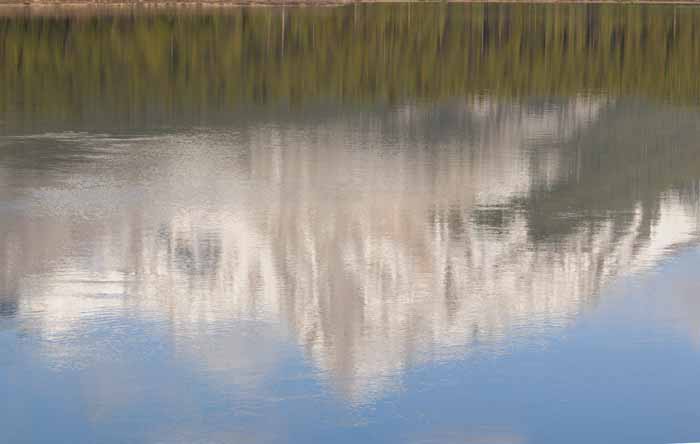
(378, 240)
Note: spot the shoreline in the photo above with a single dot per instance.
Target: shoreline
(32, 6)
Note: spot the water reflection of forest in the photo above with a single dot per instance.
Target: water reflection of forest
(62, 66)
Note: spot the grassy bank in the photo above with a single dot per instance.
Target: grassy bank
(14, 7)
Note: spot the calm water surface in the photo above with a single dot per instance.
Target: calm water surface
(390, 224)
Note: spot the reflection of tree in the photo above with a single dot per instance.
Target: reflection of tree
(160, 65)
(380, 242)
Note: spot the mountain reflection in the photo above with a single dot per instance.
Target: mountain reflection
(380, 239)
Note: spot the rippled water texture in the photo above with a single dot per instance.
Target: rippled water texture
(376, 223)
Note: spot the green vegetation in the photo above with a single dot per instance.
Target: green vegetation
(169, 62)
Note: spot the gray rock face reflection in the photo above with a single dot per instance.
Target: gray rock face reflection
(379, 240)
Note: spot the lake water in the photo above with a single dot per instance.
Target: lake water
(363, 224)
